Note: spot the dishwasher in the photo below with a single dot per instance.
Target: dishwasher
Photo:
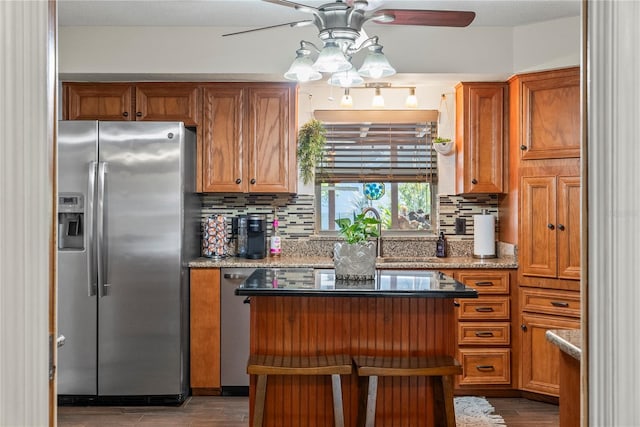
(234, 333)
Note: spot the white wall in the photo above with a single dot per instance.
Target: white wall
(26, 188)
(546, 45)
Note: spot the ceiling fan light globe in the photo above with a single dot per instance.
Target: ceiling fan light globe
(349, 78)
(331, 59)
(301, 70)
(376, 65)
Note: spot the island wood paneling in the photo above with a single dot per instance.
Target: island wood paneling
(303, 326)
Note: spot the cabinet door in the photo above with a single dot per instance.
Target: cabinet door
(538, 224)
(168, 102)
(205, 330)
(271, 139)
(568, 227)
(479, 139)
(223, 140)
(540, 358)
(551, 115)
(97, 101)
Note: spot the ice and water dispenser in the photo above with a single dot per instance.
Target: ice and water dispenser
(71, 221)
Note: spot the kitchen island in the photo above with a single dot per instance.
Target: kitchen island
(307, 312)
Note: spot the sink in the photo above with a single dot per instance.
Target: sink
(388, 259)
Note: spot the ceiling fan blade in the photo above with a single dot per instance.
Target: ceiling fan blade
(297, 6)
(290, 24)
(434, 18)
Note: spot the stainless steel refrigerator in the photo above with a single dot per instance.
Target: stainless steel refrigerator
(127, 226)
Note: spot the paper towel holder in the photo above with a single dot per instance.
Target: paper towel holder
(476, 249)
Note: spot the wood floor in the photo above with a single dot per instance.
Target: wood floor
(201, 411)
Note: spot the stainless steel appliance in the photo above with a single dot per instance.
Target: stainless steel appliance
(128, 223)
(234, 333)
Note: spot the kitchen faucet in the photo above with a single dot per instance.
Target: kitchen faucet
(375, 213)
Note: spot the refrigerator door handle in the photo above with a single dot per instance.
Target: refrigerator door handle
(90, 228)
(103, 286)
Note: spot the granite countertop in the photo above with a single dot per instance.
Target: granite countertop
(567, 340)
(387, 263)
(310, 282)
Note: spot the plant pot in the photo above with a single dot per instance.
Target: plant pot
(355, 261)
(444, 148)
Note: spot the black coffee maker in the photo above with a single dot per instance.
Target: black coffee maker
(256, 236)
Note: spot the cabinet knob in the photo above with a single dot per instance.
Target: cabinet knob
(561, 227)
(238, 181)
(523, 327)
(551, 226)
(139, 114)
(253, 181)
(474, 181)
(125, 114)
(523, 147)
(456, 304)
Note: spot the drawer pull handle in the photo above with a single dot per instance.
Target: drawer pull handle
(487, 283)
(560, 304)
(484, 309)
(484, 334)
(485, 368)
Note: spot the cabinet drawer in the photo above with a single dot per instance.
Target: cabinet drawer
(485, 366)
(561, 303)
(486, 282)
(478, 333)
(485, 308)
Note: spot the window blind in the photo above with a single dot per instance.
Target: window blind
(378, 152)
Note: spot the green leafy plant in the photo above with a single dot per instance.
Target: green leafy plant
(359, 230)
(438, 140)
(311, 140)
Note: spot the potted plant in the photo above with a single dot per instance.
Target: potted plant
(355, 258)
(311, 140)
(442, 145)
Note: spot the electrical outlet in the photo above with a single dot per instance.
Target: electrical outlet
(461, 226)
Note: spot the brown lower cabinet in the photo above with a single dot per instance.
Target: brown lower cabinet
(205, 331)
(484, 331)
(544, 309)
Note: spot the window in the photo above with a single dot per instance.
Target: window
(389, 166)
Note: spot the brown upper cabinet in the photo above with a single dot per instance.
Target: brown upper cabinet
(249, 142)
(550, 221)
(132, 101)
(98, 101)
(550, 108)
(480, 130)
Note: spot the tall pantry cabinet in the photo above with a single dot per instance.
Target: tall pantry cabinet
(545, 155)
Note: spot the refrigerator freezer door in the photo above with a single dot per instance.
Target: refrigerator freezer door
(77, 302)
(139, 316)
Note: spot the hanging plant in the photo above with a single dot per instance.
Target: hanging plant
(311, 140)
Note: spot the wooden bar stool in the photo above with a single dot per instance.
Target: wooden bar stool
(441, 368)
(264, 365)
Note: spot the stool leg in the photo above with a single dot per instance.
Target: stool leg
(338, 411)
(445, 413)
(447, 391)
(261, 392)
(372, 393)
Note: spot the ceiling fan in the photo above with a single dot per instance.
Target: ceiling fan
(351, 15)
(340, 30)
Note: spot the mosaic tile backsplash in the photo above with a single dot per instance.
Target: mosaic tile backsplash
(296, 217)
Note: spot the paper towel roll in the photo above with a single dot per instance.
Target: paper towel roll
(484, 236)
